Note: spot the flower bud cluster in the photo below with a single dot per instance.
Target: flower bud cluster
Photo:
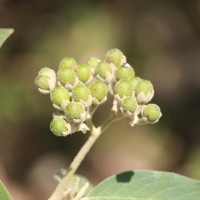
(76, 90)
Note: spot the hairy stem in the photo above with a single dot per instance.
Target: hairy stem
(95, 133)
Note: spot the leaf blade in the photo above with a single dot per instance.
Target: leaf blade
(4, 195)
(146, 185)
(4, 34)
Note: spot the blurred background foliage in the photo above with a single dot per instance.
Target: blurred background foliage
(161, 40)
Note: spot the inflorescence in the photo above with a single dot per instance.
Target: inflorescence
(76, 90)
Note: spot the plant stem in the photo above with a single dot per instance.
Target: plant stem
(95, 133)
(112, 118)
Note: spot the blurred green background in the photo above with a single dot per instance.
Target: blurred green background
(161, 39)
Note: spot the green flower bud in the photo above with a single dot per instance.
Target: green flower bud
(60, 127)
(75, 112)
(129, 105)
(46, 80)
(134, 81)
(81, 93)
(46, 71)
(68, 62)
(99, 91)
(151, 113)
(42, 82)
(144, 91)
(67, 77)
(125, 72)
(105, 71)
(115, 56)
(84, 74)
(60, 96)
(122, 89)
(92, 62)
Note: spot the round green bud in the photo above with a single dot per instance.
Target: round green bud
(129, 104)
(122, 89)
(105, 71)
(134, 81)
(68, 62)
(83, 72)
(115, 56)
(99, 91)
(125, 72)
(152, 113)
(45, 71)
(67, 77)
(75, 112)
(59, 95)
(46, 80)
(81, 93)
(60, 127)
(42, 82)
(92, 62)
(144, 91)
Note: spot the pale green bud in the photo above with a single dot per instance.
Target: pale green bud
(67, 77)
(68, 62)
(81, 93)
(60, 97)
(46, 80)
(125, 72)
(42, 82)
(75, 112)
(144, 91)
(99, 91)
(151, 113)
(84, 74)
(116, 57)
(92, 62)
(134, 81)
(60, 127)
(105, 71)
(129, 105)
(46, 71)
(122, 89)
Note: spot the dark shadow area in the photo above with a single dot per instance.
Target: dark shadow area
(125, 177)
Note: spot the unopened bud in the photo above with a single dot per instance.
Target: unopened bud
(134, 81)
(84, 74)
(60, 96)
(75, 112)
(60, 127)
(67, 77)
(122, 89)
(99, 91)
(151, 113)
(115, 56)
(125, 72)
(46, 80)
(92, 62)
(129, 105)
(105, 71)
(68, 62)
(81, 93)
(144, 91)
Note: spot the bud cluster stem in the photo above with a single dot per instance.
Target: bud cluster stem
(95, 133)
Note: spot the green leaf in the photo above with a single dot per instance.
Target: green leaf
(146, 185)
(4, 34)
(3, 192)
